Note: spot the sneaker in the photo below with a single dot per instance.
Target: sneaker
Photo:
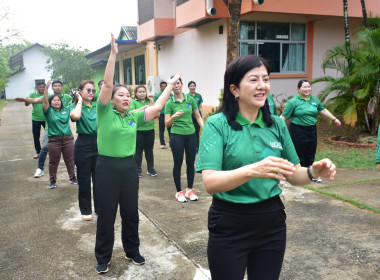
(87, 217)
(180, 196)
(39, 173)
(138, 259)
(139, 173)
(190, 194)
(319, 180)
(102, 268)
(73, 180)
(53, 184)
(163, 147)
(36, 156)
(152, 173)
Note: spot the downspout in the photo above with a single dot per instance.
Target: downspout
(210, 7)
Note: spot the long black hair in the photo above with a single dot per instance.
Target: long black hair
(234, 74)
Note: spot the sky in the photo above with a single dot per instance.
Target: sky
(79, 23)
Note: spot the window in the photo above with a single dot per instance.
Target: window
(140, 70)
(282, 44)
(116, 79)
(127, 66)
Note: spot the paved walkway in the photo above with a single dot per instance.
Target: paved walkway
(43, 236)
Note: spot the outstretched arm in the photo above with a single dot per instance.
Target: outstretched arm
(330, 116)
(46, 96)
(28, 100)
(152, 111)
(106, 91)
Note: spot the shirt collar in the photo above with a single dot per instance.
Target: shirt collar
(300, 97)
(243, 121)
(185, 97)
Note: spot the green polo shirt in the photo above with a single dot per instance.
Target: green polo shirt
(58, 121)
(222, 148)
(378, 147)
(37, 112)
(117, 133)
(183, 124)
(66, 99)
(303, 112)
(96, 95)
(137, 104)
(155, 99)
(198, 98)
(87, 122)
(272, 105)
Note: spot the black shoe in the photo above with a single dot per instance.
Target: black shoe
(152, 173)
(102, 268)
(73, 180)
(138, 259)
(139, 173)
(53, 184)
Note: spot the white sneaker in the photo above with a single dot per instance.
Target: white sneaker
(190, 194)
(180, 196)
(39, 173)
(87, 217)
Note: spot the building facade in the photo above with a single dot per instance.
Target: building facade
(293, 35)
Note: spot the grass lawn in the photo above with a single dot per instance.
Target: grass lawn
(343, 156)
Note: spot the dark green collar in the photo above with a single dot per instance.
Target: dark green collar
(243, 121)
(300, 97)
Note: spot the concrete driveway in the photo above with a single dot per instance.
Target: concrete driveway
(43, 237)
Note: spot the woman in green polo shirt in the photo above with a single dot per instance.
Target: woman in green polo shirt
(244, 152)
(145, 133)
(178, 114)
(303, 110)
(117, 183)
(198, 98)
(60, 136)
(86, 149)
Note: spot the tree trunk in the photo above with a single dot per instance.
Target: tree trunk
(234, 9)
(375, 126)
(345, 17)
(364, 12)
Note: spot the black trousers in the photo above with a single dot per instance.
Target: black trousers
(145, 143)
(248, 237)
(180, 144)
(305, 142)
(197, 129)
(161, 126)
(117, 184)
(36, 129)
(85, 156)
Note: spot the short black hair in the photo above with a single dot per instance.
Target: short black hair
(50, 99)
(163, 82)
(100, 82)
(191, 82)
(40, 83)
(56, 82)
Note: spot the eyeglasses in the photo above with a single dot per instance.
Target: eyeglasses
(91, 90)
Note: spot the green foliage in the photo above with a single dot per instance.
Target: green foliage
(216, 109)
(357, 84)
(5, 54)
(68, 65)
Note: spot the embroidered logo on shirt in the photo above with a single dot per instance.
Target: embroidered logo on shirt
(188, 106)
(132, 124)
(276, 145)
(63, 113)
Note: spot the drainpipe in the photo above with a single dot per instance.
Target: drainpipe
(210, 7)
(258, 2)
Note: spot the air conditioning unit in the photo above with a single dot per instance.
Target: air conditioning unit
(153, 85)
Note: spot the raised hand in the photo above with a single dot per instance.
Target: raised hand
(174, 79)
(79, 97)
(114, 47)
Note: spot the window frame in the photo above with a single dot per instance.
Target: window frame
(257, 42)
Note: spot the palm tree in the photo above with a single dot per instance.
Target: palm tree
(364, 12)
(356, 89)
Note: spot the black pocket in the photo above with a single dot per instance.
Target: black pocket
(214, 217)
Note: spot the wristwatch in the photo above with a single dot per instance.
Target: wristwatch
(311, 175)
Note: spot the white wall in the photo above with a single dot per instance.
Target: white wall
(327, 34)
(22, 83)
(200, 55)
